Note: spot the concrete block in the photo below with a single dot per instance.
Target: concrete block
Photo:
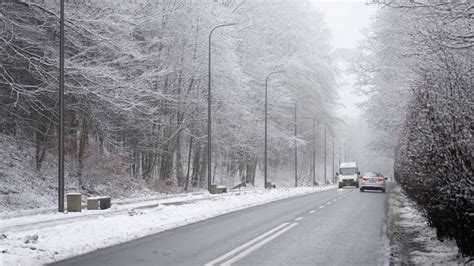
(105, 203)
(92, 203)
(73, 202)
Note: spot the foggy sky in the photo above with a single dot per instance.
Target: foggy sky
(347, 21)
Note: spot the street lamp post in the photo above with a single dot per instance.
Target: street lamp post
(325, 153)
(313, 159)
(209, 172)
(332, 159)
(296, 144)
(314, 150)
(266, 130)
(296, 147)
(339, 155)
(61, 111)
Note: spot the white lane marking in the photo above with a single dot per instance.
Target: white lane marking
(313, 211)
(322, 206)
(334, 199)
(245, 245)
(299, 219)
(328, 203)
(258, 245)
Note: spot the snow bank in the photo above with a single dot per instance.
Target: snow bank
(26, 241)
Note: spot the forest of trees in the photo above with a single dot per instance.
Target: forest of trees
(136, 84)
(416, 66)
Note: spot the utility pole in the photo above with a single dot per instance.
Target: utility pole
(61, 110)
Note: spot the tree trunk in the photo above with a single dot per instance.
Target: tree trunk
(84, 136)
(189, 163)
(242, 167)
(203, 172)
(179, 161)
(251, 168)
(214, 172)
(40, 149)
(196, 165)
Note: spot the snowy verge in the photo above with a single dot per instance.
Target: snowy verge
(60, 239)
(412, 241)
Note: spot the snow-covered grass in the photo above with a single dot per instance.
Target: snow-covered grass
(412, 240)
(44, 238)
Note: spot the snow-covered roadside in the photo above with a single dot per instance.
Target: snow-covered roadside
(118, 203)
(412, 241)
(63, 240)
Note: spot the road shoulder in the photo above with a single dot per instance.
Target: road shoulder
(412, 241)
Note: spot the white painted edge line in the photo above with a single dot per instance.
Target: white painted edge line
(322, 206)
(258, 245)
(245, 245)
(313, 211)
(299, 218)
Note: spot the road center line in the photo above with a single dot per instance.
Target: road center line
(258, 245)
(322, 206)
(328, 203)
(299, 218)
(313, 211)
(246, 245)
(334, 199)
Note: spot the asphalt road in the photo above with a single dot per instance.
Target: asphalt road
(335, 227)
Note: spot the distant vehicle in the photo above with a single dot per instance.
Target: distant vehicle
(374, 181)
(348, 174)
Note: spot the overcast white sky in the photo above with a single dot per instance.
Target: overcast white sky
(346, 20)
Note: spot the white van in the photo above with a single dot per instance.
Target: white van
(348, 174)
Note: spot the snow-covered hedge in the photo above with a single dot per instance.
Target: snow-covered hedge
(434, 160)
